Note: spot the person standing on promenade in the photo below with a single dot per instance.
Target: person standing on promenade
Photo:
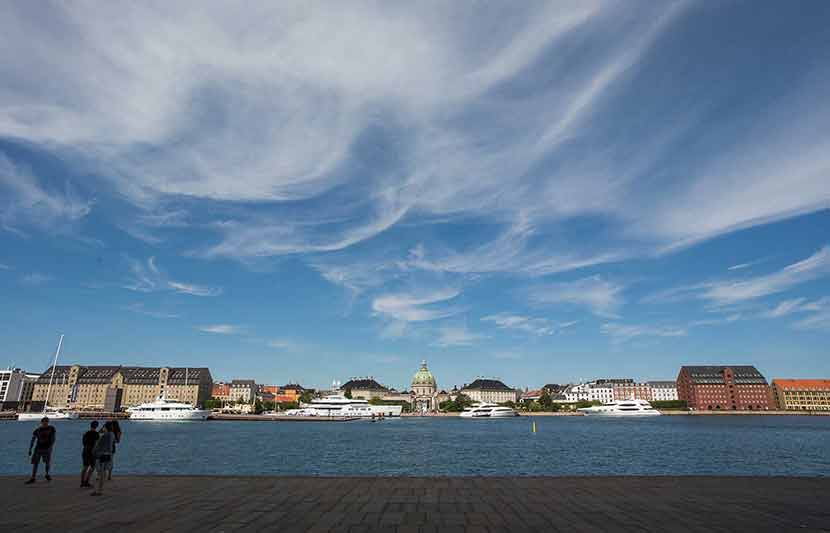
(89, 440)
(103, 455)
(116, 431)
(44, 436)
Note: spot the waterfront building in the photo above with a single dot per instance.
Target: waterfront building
(597, 391)
(364, 388)
(424, 391)
(663, 391)
(555, 388)
(221, 391)
(291, 392)
(735, 387)
(11, 385)
(531, 396)
(242, 390)
(630, 390)
(490, 391)
(801, 394)
(89, 387)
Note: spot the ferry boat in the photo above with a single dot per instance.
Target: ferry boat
(49, 412)
(337, 405)
(164, 409)
(488, 410)
(622, 408)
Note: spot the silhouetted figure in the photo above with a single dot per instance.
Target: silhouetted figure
(116, 431)
(44, 436)
(103, 455)
(89, 440)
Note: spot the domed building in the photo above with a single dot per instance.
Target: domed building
(424, 390)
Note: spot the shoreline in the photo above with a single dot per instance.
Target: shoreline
(499, 503)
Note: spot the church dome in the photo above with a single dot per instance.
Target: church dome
(423, 376)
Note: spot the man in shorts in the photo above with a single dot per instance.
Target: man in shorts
(44, 436)
(89, 440)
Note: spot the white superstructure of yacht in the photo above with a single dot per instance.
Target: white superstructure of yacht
(622, 408)
(488, 410)
(337, 405)
(164, 409)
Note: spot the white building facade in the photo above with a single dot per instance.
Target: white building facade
(11, 384)
(590, 392)
(663, 391)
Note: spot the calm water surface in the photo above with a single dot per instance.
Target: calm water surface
(668, 445)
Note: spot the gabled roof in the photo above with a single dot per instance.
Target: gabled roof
(663, 384)
(60, 370)
(97, 374)
(487, 384)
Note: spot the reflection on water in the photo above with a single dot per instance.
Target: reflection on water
(668, 445)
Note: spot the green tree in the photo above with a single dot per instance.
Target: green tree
(257, 406)
(348, 394)
(306, 396)
(545, 400)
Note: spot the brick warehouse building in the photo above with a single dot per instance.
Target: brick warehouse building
(714, 388)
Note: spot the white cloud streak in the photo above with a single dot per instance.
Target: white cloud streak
(222, 329)
(601, 297)
(35, 279)
(450, 336)
(526, 324)
(147, 277)
(625, 332)
(415, 307)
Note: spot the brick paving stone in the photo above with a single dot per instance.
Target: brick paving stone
(211, 504)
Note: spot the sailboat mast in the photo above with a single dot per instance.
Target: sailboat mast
(52, 375)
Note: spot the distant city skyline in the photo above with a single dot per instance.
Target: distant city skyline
(292, 193)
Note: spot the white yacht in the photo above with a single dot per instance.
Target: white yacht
(488, 410)
(164, 409)
(50, 412)
(622, 408)
(337, 405)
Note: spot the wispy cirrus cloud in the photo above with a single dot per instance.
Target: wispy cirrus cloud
(26, 202)
(222, 329)
(815, 313)
(601, 297)
(625, 332)
(142, 310)
(35, 278)
(527, 324)
(415, 306)
(449, 336)
(4, 266)
(148, 277)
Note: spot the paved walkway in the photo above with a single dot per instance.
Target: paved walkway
(213, 504)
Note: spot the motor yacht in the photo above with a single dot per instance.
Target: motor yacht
(622, 408)
(488, 410)
(337, 405)
(164, 409)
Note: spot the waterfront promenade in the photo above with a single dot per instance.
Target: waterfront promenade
(401, 504)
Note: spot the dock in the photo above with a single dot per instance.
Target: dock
(405, 504)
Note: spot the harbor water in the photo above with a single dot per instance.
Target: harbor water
(561, 446)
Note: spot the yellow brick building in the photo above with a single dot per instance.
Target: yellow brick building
(86, 387)
(802, 394)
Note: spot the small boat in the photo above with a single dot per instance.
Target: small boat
(49, 412)
(488, 410)
(622, 408)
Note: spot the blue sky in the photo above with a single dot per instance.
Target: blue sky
(543, 193)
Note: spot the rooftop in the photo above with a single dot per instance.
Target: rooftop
(487, 384)
(362, 384)
(802, 384)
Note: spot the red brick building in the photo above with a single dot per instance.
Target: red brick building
(724, 388)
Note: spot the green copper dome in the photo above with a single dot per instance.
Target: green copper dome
(423, 376)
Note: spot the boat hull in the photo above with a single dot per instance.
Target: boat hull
(35, 417)
(618, 414)
(170, 416)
